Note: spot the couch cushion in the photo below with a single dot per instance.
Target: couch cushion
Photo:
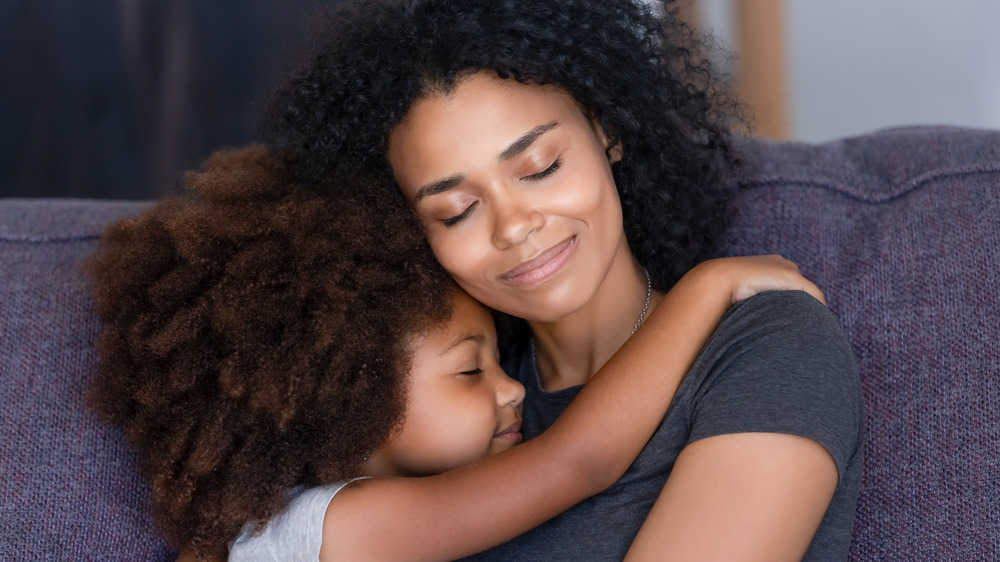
(69, 484)
(900, 229)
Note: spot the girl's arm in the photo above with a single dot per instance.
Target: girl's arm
(586, 450)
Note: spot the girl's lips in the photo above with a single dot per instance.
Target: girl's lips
(511, 433)
(542, 266)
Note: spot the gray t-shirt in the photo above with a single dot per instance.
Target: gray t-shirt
(778, 363)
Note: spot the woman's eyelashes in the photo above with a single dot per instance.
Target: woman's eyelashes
(472, 372)
(452, 221)
(546, 172)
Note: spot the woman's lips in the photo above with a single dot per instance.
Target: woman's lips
(511, 433)
(542, 266)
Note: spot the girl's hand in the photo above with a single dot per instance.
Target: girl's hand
(747, 276)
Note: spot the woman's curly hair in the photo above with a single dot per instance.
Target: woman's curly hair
(256, 338)
(639, 70)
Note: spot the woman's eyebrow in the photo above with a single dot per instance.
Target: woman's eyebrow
(437, 187)
(522, 144)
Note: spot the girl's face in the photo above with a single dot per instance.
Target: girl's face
(461, 406)
(514, 185)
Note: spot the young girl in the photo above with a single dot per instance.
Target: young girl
(565, 158)
(267, 344)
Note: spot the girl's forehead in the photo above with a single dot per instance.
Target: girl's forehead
(470, 325)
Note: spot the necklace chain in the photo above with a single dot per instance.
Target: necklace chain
(645, 307)
(642, 316)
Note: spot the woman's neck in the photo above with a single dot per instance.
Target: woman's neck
(569, 351)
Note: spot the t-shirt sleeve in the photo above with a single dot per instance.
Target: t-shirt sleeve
(294, 534)
(781, 364)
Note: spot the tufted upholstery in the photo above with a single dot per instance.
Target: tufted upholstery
(69, 488)
(900, 228)
(902, 231)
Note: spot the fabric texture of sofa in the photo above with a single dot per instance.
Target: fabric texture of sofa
(900, 228)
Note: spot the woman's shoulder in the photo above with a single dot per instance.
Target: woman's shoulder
(785, 307)
(782, 331)
(786, 322)
(779, 362)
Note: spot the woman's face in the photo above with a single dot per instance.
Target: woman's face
(514, 185)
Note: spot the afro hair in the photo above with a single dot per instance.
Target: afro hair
(256, 337)
(635, 67)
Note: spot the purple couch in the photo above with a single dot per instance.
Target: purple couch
(901, 229)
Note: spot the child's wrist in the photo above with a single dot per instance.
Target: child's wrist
(718, 277)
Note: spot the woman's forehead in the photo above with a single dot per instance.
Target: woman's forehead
(479, 120)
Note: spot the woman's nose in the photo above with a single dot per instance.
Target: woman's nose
(515, 218)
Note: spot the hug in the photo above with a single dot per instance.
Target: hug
(304, 341)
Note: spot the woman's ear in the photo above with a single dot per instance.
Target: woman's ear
(612, 149)
(614, 152)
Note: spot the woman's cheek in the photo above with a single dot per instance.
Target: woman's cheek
(451, 253)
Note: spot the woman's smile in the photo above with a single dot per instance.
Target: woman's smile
(543, 266)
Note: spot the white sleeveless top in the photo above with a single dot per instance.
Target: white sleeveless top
(292, 535)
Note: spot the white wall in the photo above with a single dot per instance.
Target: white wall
(860, 65)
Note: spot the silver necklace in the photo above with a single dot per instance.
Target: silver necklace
(642, 316)
(645, 307)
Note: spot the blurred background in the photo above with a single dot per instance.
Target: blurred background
(116, 98)
(816, 70)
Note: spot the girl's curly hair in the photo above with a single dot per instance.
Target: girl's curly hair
(641, 72)
(256, 338)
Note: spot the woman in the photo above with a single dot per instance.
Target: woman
(564, 158)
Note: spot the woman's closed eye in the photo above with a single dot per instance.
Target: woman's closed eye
(452, 221)
(472, 372)
(546, 172)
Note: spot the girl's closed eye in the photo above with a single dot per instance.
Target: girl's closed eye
(472, 372)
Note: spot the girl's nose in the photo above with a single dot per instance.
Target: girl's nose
(509, 391)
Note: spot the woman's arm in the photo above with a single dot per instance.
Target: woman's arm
(587, 449)
(759, 475)
(742, 496)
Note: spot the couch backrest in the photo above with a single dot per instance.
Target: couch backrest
(901, 229)
(69, 484)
